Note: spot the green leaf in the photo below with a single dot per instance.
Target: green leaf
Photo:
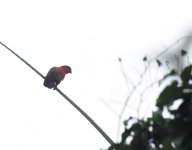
(158, 118)
(168, 95)
(125, 134)
(186, 74)
(172, 73)
(167, 143)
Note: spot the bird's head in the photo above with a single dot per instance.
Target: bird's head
(66, 69)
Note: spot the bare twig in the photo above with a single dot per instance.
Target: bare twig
(129, 96)
(133, 89)
(143, 92)
(109, 107)
(168, 48)
(128, 81)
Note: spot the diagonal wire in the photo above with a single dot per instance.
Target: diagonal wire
(99, 129)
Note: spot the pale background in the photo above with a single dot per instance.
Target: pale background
(89, 36)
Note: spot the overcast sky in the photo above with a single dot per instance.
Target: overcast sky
(89, 36)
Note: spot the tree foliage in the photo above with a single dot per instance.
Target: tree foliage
(158, 132)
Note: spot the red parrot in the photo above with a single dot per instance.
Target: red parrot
(55, 76)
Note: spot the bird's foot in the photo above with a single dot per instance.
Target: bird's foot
(54, 88)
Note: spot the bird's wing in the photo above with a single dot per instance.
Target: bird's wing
(55, 74)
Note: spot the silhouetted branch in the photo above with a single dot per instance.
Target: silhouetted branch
(134, 89)
(109, 107)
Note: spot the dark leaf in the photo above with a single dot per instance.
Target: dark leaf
(126, 121)
(145, 58)
(183, 52)
(167, 62)
(158, 118)
(168, 95)
(125, 134)
(159, 63)
(167, 143)
(186, 74)
(172, 73)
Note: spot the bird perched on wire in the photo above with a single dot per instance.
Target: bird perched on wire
(55, 75)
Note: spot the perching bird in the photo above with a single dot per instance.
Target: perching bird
(55, 76)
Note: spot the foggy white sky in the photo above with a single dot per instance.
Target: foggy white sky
(89, 36)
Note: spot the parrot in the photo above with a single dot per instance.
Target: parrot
(55, 75)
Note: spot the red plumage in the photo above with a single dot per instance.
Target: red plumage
(55, 76)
